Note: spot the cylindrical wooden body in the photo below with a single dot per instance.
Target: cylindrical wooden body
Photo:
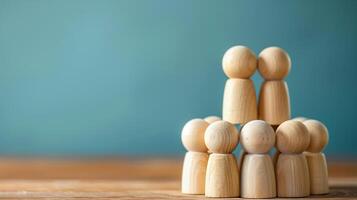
(274, 102)
(194, 173)
(258, 177)
(239, 101)
(222, 176)
(292, 176)
(318, 173)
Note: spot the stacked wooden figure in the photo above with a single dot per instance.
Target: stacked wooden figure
(298, 168)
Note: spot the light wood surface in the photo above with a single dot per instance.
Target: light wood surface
(258, 176)
(292, 176)
(194, 173)
(318, 135)
(195, 162)
(239, 101)
(192, 135)
(257, 171)
(292, 172)
(126, 178)
(239, 62)
(274, 102)
(292, 137)
(257, 136)
(318, 173)
(222, 177)
(221, 137)
(274, 63)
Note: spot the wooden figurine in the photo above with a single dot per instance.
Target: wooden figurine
(315, 158)
(274, 101)
(195, 162)
(239, 99)
(222, 176)
(277, 153)
(211, 119)
(257, 172)
(292, 139)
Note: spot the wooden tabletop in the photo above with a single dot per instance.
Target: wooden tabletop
(124, 178)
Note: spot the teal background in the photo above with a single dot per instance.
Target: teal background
(122, 77)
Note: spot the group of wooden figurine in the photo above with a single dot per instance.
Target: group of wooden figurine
(298, 168)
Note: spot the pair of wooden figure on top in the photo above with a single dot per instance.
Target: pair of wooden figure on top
(239, 101)
(210, 168)
(298, 169)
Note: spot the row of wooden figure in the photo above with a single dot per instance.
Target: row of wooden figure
(297, 170)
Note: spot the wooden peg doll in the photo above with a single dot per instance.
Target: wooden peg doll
(222, 176)
(292, 172)
(315, 158)
(195, 162)
(274, 101)
(257, 172)
(239, 99)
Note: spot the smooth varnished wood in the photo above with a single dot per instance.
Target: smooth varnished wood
(239, 101)
(222, 179)
(274, 102)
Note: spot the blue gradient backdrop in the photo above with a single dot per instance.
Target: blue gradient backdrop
(122, 77)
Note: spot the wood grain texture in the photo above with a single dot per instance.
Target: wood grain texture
(292, 176)
(318, 173)
(239, 62)
(257, 137)
(126, 178)
(274, 102)
(221, 137)
(258, 177)
(194, 173)
(222, 178)
(192, 135)
(239, 101)
(274, 63)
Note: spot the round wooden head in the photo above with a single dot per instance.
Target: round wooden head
(221, 137)
(257, 136)
(274, 63)
(318, 135)
(292, 136)
(192, 135)
(239, 62)
(211, 119)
